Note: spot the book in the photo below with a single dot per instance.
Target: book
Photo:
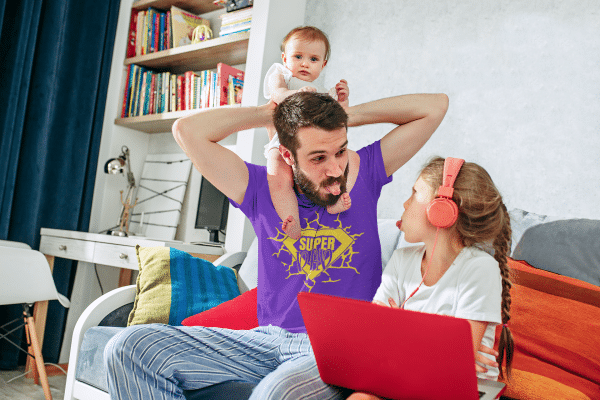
(161, 32)
(205, 95)
(224, 71)
(168, 30)
(138, 32)
(180, 92)
(173, 93)
(190, 78)
(144, 33)
(213, 90)
(235, 15)
(136, 90)
(234, 93)
(197, 101)
(132, 34)
(183, 24)
(127, 90)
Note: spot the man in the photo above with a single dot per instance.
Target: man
(336, 254)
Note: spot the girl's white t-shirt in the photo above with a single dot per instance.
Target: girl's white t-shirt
(470, 289)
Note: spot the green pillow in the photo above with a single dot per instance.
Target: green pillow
(172, 285)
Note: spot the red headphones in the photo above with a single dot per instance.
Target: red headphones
(442, 212)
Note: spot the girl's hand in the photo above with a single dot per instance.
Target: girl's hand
(307, 89)
(391, 302)
(343, 93)
(484, 360)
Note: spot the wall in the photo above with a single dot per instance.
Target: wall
(522, 78)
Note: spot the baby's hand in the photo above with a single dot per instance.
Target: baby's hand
(343, 93)
(307, 89)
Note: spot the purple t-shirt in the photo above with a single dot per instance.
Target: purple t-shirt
(337, 254)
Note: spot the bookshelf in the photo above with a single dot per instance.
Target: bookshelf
(230, 50)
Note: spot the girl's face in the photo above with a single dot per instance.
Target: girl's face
(415, 224)
(305, 59)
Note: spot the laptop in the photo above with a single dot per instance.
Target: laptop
(393, 353)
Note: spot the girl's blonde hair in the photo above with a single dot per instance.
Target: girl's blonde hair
(308, 34)
(482, 220)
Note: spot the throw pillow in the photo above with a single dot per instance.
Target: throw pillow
(554, 321)
(239, 313)
(172, 285)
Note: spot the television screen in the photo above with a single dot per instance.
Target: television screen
(213, 207)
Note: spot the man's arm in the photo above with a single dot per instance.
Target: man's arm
(417, 117)
(198, 135)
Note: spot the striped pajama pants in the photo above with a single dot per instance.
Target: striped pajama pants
(160, 361)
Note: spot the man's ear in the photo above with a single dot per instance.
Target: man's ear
(287, 155)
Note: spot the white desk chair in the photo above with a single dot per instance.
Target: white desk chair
(26, 279)
(9, 243)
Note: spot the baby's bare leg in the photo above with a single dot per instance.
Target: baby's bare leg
(344, 202)
(279, 176)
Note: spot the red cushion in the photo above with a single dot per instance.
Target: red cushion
(555, 322)
(238, 313)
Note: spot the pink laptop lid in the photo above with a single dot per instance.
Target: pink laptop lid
(393, 353)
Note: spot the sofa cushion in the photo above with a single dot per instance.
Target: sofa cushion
(555, 321)
(90, 362)
(172, 285)
(239, 313)
(521, 221)
(569, 247)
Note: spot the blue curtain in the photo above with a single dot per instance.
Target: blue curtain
(54, 71)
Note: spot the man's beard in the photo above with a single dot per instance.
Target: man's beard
(311, 190)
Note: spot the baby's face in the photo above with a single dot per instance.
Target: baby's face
(305, 59)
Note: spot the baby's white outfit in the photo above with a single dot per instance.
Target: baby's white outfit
(292, 84)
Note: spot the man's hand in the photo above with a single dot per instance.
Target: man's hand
(343, 93)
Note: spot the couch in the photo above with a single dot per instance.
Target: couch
(555, 354)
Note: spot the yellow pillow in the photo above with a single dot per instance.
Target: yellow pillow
(172, 285)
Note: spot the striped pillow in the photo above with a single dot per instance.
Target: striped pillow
(172, 285)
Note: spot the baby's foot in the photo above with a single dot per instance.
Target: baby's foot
(342, 204)
(291, 228)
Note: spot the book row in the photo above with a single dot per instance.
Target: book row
(151, 92)
(154, 30)
(236, 22)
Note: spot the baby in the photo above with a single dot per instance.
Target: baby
(305, 51)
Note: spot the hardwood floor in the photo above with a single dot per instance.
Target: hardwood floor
(24, 389)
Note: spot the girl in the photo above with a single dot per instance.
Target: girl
(305, 52)
(449, 273)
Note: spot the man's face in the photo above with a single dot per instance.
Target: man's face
(321, 164)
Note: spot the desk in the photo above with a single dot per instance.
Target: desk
(108, 250)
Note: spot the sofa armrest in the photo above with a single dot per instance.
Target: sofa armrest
(90, 317)
(231, 260)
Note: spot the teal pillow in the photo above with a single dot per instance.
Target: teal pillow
(173, 285)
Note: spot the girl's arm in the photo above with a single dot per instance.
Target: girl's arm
(477, 331)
